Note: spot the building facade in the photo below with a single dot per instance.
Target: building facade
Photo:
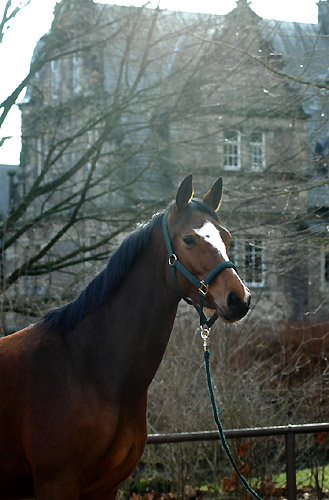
(125, 102)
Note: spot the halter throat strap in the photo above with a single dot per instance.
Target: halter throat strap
(202, 285)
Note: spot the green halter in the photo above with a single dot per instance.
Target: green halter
(202, 285)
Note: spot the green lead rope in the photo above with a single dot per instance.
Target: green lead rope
(220, 428)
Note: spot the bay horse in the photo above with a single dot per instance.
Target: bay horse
(73, 385)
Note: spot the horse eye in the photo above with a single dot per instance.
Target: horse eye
(189, 241)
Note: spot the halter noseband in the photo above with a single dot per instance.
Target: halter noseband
(202, 285)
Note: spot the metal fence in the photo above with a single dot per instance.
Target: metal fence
(288, 431)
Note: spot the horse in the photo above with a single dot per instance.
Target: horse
(73, 391)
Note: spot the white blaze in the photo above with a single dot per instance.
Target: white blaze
(211, 234)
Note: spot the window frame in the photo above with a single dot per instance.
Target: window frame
(257, 251)
(257, 166)
(230, 143)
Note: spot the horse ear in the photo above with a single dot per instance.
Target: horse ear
(184, 193)
(214, 195)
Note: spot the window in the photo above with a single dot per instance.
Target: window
(254, 262)
(92, 137)
(55, 79)
(40, 154)
(2, 259)
(249, 257)
(233, 252)
(232, 150)
(76, 73)
(257, 150)
(325, 268)
(32, 287)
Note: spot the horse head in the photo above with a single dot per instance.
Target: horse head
(200, 244)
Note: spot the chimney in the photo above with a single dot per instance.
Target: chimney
(323, 16)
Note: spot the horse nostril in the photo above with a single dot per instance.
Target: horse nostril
(233, 300)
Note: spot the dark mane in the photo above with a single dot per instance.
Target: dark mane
(98, 290)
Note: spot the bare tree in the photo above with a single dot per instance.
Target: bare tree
(120, 104)
(103, 92)
(273, 369)
(121, 97)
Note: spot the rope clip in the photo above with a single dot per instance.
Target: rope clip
(205, 332)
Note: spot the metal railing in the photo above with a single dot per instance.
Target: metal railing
(289, 431)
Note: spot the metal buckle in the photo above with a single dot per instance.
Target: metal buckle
(203, 288)
(172, 260)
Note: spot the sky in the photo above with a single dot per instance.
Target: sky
(35, 20)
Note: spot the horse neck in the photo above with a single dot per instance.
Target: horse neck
(127, 337)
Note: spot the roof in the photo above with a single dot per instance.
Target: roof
(305, 52)
(304, 49)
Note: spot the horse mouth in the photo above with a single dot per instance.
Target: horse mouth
(220, 313)
(232, 316)
(225, 316)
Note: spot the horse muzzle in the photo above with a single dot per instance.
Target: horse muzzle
(233, 309)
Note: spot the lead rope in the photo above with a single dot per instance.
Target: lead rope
(205, 332)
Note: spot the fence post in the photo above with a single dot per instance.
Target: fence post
(291, 465)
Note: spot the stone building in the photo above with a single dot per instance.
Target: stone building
(125, 102)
